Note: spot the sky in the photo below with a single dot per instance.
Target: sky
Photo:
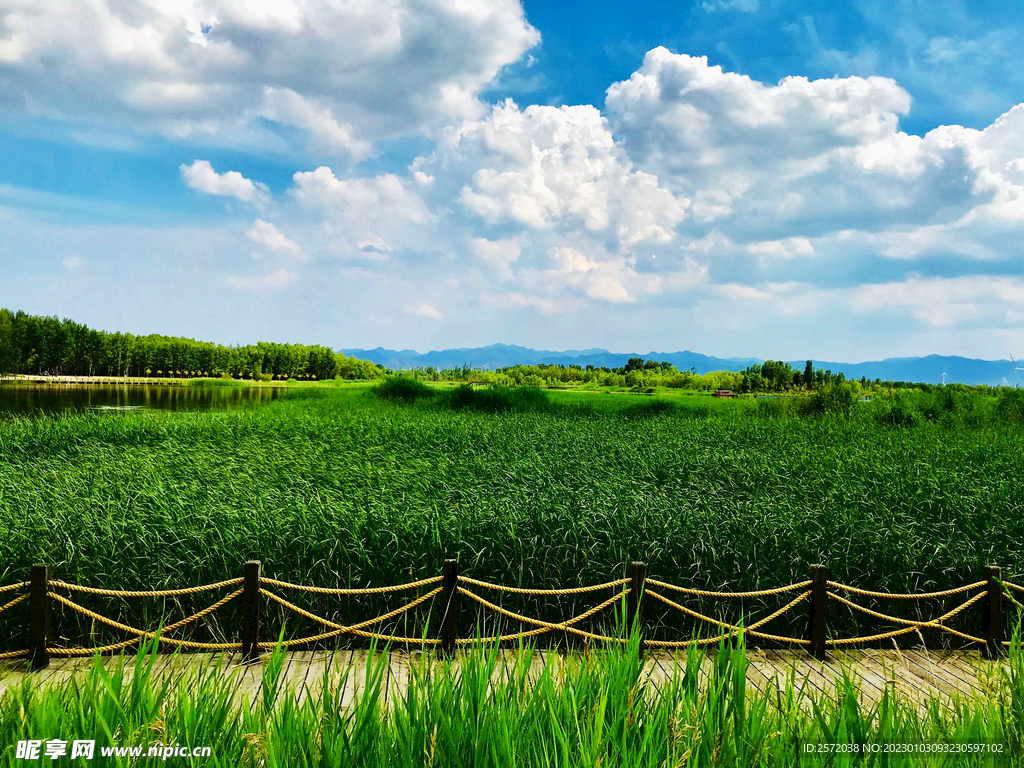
(840, 181)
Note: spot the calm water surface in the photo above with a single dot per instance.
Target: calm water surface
(24, 398)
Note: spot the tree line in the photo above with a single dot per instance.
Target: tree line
(771, 376)
(36, 345)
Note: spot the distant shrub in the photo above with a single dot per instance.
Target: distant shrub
(266, 377)
(833, 399)
(899, 412)
(404, 389)
(948, 405)
(1010, 408)
(496, 399)
(292, 381)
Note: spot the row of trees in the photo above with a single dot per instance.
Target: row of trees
(40, 345)
(771, 376)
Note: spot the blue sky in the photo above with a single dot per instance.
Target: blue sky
(737, 177)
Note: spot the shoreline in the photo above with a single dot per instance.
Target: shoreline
(132, 380)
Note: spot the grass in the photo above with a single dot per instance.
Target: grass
(590, 711)
(334, 486)
(223, 382)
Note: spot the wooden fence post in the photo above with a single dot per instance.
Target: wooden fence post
(634, 601)
(450, 601)
(39, 617)
(819, 601)
(992, 614)
(250, 607)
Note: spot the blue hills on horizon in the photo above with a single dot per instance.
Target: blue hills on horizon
(927, 369)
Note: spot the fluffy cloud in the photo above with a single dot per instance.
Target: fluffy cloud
(269, 236)
(201, 176)
(498, 254)
(551, 168)
(213, 67)
(71, 263)
(814, 156)
(271, 281)
(697, 190)
(943, 302)
(423, 310)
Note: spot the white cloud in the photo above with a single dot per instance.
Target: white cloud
(287, 107)
(269, 236)
(944, 302)
(798, 158)
(786, 248)
(201, 176)
(71, 263)
(271, 281)
(499, 255)
(547, 168)
(744, 6)
(213, 67)
(423, 310)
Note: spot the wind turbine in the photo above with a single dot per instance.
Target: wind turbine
(1015, 366)
(943, 379)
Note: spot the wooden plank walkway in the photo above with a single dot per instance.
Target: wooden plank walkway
(916, 675)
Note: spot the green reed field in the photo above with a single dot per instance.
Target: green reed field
(341, 487)
(586, 712)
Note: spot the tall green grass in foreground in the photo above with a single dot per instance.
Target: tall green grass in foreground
(594, 711)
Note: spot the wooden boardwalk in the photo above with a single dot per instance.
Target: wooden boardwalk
(916, 675)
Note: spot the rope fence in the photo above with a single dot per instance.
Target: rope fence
(252, 591)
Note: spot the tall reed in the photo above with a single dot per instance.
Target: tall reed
(598, 709)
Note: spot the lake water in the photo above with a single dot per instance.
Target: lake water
(54, 398)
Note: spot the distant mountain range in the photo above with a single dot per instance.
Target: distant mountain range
(921, 369)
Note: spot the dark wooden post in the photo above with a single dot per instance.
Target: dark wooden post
(634, 601)
(39, 617)
(992, 613)
(819, 601)
(450, 601)
(250, 607)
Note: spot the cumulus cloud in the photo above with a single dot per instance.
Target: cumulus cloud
(214, 67)
(201, 177)
(695, 187)
(71, 263)
(499, 255)
(423, 310)
(812, 155)
(271, 281)
(943, 302)
(269, 236)
(551, 168)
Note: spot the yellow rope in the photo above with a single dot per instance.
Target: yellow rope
(13, 655)
(898, 596)
(13, 602)
(144, 633)
(355, 628)
(151, 593)
(733, 629)
(1015, 586)
(548, 625)
(542, 630)
(705, 593)
(934, 624)
(368, 591)
(11, 587)
(522, 591)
